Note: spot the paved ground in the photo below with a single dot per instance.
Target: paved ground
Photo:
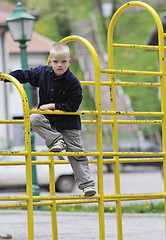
(82, 226)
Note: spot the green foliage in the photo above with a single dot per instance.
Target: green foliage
(76, 9)
(62, 19)
(79, 9)
(46, 26)
(43, 7)
(59, 13)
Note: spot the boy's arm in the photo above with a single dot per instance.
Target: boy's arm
(27, 76)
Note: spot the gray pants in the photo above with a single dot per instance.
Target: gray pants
(41, 125)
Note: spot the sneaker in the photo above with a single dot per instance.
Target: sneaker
(58, 146)
(89, 191)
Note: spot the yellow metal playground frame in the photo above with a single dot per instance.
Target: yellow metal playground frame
(53, 200)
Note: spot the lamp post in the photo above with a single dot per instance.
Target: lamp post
(20, 25)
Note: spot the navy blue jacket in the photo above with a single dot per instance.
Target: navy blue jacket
(65, 91)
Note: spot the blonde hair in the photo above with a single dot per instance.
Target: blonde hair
(59, 47)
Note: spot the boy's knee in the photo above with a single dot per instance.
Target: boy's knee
(33, 119)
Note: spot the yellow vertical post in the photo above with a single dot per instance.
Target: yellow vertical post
(99, 147)
(26, 112)
(112, 93)
(28, 175)
(29, 190)
(98, 128)
(114, 126)
(163, 100)
(52, 193)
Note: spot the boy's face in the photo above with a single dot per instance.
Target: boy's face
(60, 62)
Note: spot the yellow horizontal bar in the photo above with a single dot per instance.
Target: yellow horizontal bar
(139, 121)
(131, 72)
(133, 113)
(135, 46)
(11, 121)
(88, 121)
(57, 198)
(136, 196)
(87, 82)
(129, 199)
(65, 154)
(48, 203)
(165, 37)
(96, 112)
(132, 199)
(133, 121)
(122, 160)
(137, 84)
(19, 205)
(12, 163)
(124, 121)
(48, 162)
(14, 153)
(107, 197)
(63, 112)
(56, 162)
(128, 160)
(160, 154)
(19, 198)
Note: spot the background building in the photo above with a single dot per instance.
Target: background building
(38, 52)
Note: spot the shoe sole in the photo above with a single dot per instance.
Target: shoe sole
(90, 193)
(57, 149)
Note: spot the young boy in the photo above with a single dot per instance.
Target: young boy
(59, 89)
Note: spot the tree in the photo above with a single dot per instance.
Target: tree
(99, 9)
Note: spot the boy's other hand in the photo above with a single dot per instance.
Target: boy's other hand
(50, 106)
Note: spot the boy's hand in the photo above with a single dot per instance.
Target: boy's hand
(50, 106)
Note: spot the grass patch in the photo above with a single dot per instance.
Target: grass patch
(132, 208)
(146, 207)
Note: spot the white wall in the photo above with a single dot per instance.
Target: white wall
(13, 105)
(3, 113)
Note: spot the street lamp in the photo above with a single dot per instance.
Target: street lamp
(20, 25)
